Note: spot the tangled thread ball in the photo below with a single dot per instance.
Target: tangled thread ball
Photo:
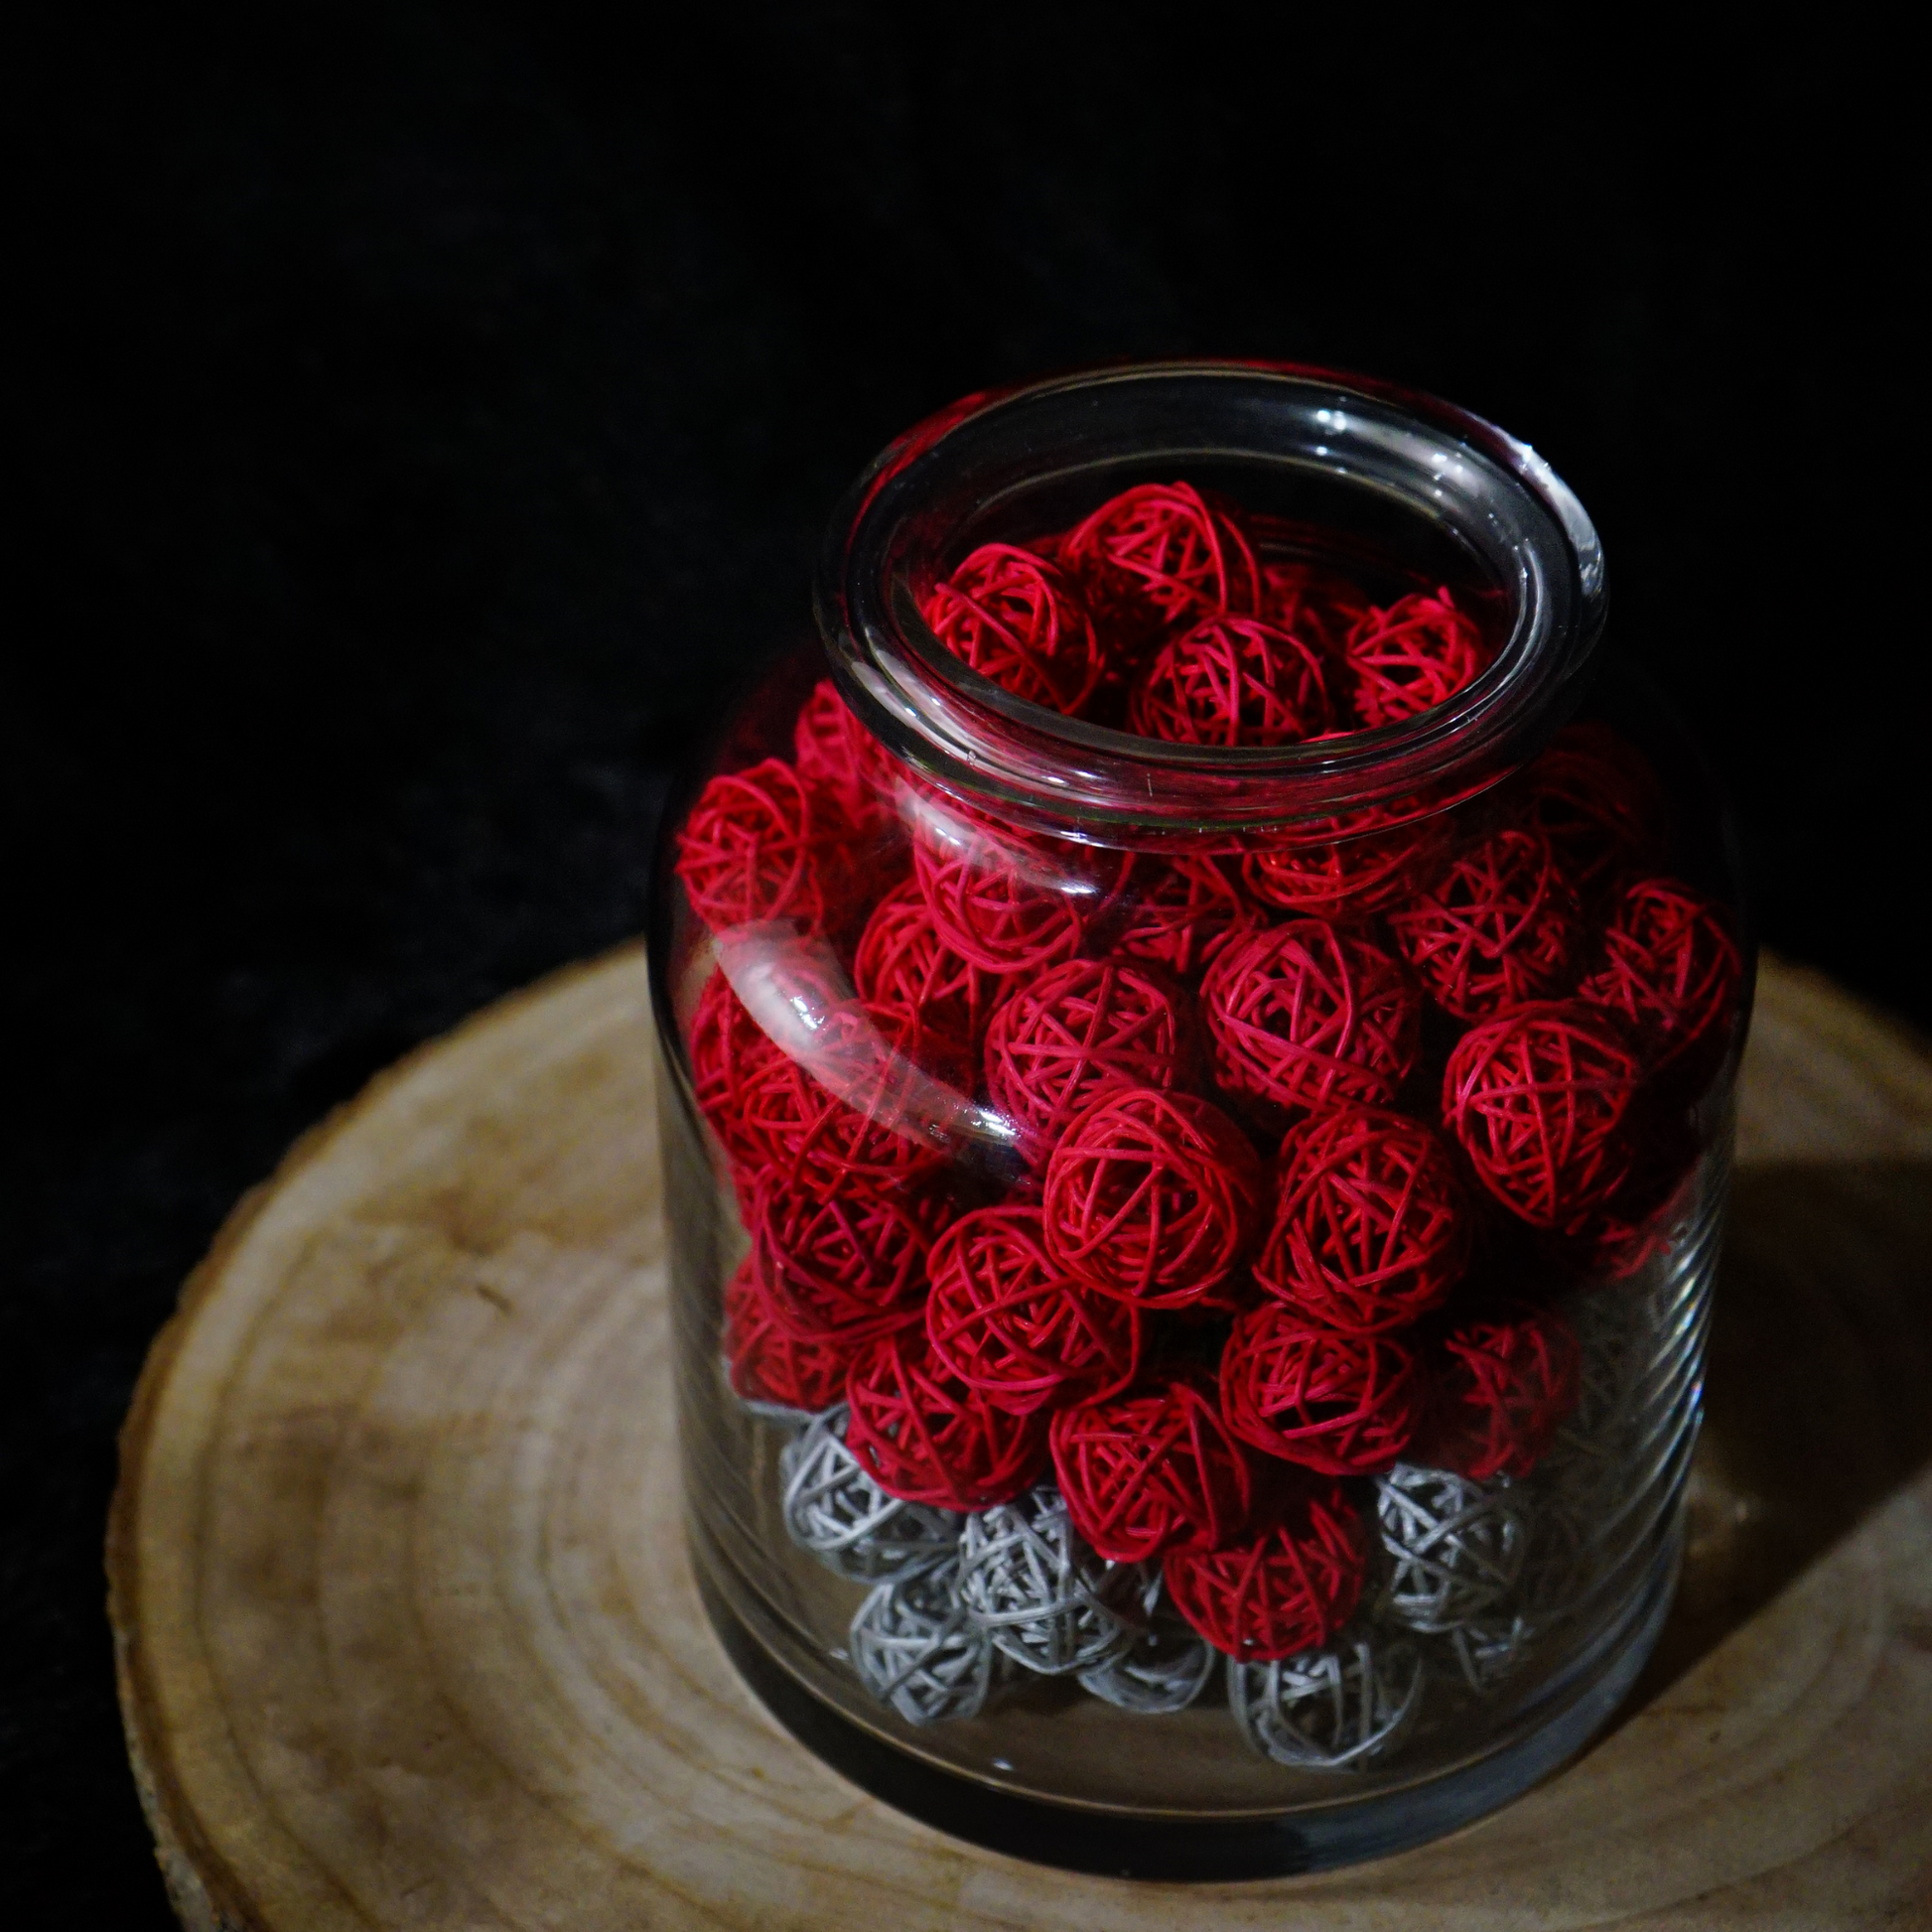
(993, 914)
(1150, 1470)
(1538, 1098)
(1505, 1383)
(1301, 1015)
(1454, 1546)
(1416, 654)
(1500, 924)
(914, 1646)
(1154, 1196)
(1331, 1710)
(1232, 681)
(753, 848)
(1014, 618)
(878, 1127)
(768, 1367)
(835, 755)
(1180, 913)
(852, 1267)
(1080, 1028)
(1004, 1319)
(1372, 1227)
(904, 966)
(1671, 969)
(1282, 1590)
(1599, 804)
(925, 1437)
(1162, 556)
(1366, 869)
(1340, 1405)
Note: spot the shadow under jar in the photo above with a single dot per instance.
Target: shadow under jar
(1201, 1051)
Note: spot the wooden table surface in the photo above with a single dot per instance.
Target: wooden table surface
(407, 1638)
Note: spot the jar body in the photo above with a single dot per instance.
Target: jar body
(1189, 1334)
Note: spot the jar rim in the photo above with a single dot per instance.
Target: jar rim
(960, 469)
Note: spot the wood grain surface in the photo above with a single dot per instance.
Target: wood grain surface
(406, 1635)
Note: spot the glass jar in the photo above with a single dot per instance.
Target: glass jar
(1199, 1098)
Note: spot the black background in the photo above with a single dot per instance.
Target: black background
(425, 417)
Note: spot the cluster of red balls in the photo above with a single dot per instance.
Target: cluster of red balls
(1211, 1183)
(1160, 613)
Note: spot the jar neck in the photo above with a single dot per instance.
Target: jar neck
(1423, 488)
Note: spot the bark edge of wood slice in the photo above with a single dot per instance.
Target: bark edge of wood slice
(405, 1635)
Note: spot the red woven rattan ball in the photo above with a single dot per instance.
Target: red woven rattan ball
(876, 1105)
(1005, 1318)
(1079, 1028)
(1372, 1229)
(1302, 1015)
(1345, 1405)
(1537, 1097)
(1418, 653)
(1153, 1195)
(753, 849)
(852, 1267)
(1152, 1470)
(1670, 968)
(904, 965)
(1232, 681)
(1016, 619)
(925, 1437)
(994, 911)
(1498, 925)
(1316, 603)
(1161, 557)
(1282, 1589)
(1598, 801)
(725, 1044)
(1181, 913)
(837, 755)
(1506, 1381)
(1642, 1218)
(766, 1362)
(1369, 867)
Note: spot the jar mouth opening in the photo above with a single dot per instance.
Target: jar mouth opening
(1408, 490)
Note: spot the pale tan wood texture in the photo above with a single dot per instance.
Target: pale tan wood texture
(407, 1637)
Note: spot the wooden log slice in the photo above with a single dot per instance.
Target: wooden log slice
(407, 1638)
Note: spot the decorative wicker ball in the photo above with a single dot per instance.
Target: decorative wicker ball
(1154, 1196)
(1506, 1381)
(753, 848)
(1232, 681)
(1671, 969)
(1161, 557)
(1181, 913)
(836, 1511)
(904, 966)
(1586, 1466)
(1005, 1318)
(1165, 1667)
(1372, 1228)
(1456, 1548)
(1081, 1026)
(1341, 1405)
(1152, 1470)
(1301, 1015)
(874, 1108)
(1598, 802)
(1046, 1601)
(1537, 1097)
(925, 1437)
(1332, 1709)
(914, 1646)
(1314, 603)
(776, 1373)
(850, 1267)
(1416, 654)
(836, 755)
(1566, 1560)
(1497, 925)
(1643, 1220)
(1489, 1650)
(1016, 619)
(993, 912)
(1279, 1590)
(726, 1044)
(1344, 869)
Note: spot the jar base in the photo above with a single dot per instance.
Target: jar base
(1140, 1845)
